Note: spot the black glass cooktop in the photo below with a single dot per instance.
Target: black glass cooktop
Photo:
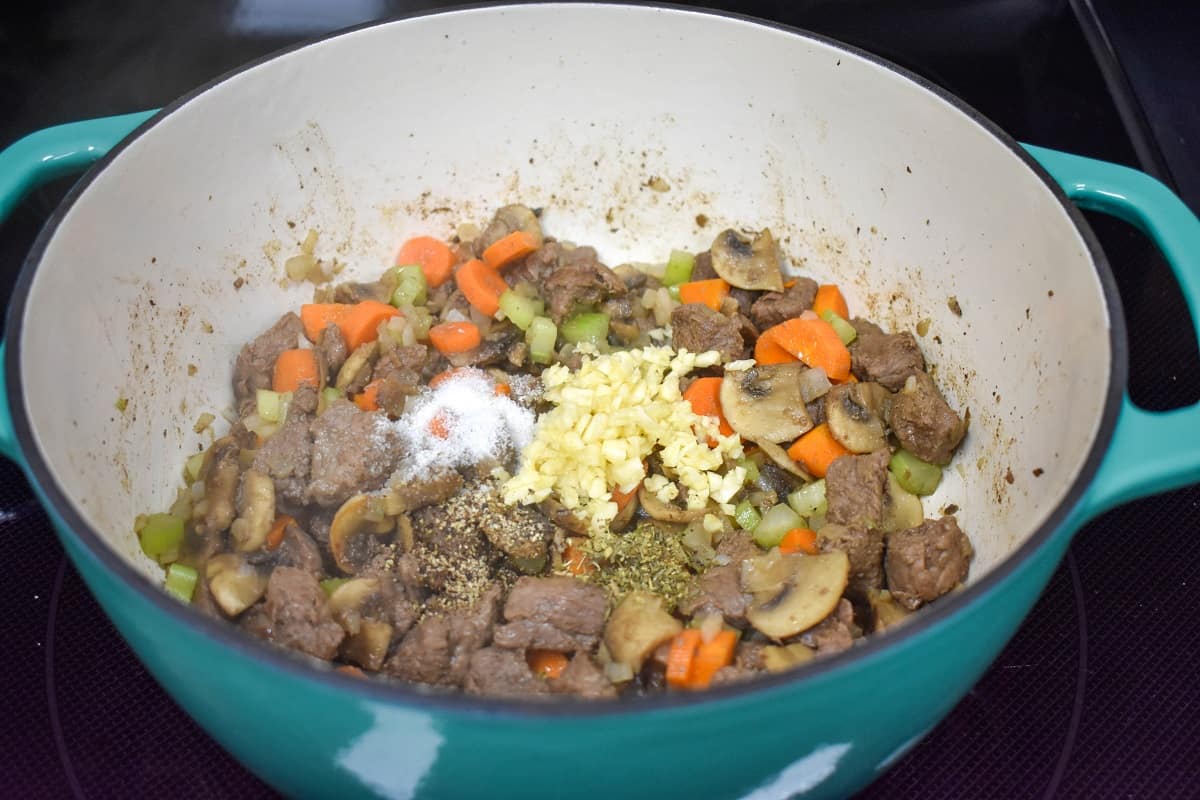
(1097, 696)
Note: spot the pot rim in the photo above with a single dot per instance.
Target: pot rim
(397, 692)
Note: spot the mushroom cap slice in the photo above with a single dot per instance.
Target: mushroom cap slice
(854, 413)
(256, 509)
(765, 403)
(358, 516)
(901, 509)
(886, 611)
(782, 460)
(667, 512)
(808, 594)
(638, 625)
(747, 263)
(234, 583)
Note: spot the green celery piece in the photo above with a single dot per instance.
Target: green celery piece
(541, 337)
(809, 501)
(521, 310)
(679, 268)
(181, 581)
(590, 326)
(841, 327)
(746, 515)
(161, 537)
(913, 474)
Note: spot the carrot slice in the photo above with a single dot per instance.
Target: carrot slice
(316, 316)
(368, 398)
(816, 450)
(361, 324)
(440, 425)
(769, 351)
(294, 367)
(278, 527)
(799, 540)
(575, 560)
(705, 396)
(435, 257)
(502, 390)
(454, 337)
(547, 663)
(622, 498)
(508, 249)
(481, 285)
(709, 292)
(829, 298)
(351, 670)
(815, 342)
(681, 656)
(710, 657)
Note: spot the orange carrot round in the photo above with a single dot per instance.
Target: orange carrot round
(768, 351)
(481, 285)
(547, 663)
(368, 398)
(816, 450)
(709, 292)
(440, 425)
(705, 396)
(361, 323)
(278, 527)
(454, 337)
(622, 498)
(829, 298)
(508, 249)
(680, 657)
(799, 540)
(316, 316)
(815, 342)
(294, 367)
(710, 657)
(435, 257)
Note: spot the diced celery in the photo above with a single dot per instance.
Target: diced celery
(332, 394)
(420, 319)
(751, 467)
(521, 310)
(161, 536)
(269, 406)
(674, 292)
(841, 327)
(913, 474)
(330, 585)
(590, 326)
(746, 515)
(541, 337)
(191, 469)
(679, 268)
(181, 581)
(809, 501)
(778, 520)
(410, 286)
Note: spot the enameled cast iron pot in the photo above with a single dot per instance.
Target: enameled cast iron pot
(870, 176)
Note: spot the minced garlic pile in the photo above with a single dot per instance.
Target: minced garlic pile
(609, 415)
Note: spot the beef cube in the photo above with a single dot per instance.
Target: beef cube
(924, 422)
(925, 562)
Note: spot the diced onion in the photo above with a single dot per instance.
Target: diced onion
(814, 383)
(618, 672)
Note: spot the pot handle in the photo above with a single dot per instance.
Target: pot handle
(36, 159)
(1150, 451)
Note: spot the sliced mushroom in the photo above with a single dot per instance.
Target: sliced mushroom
(256, 511)
(807, 590)
(748, 263)
(782, 658)
(855, 414)
(360, 515)
(509, 219)
(368, 648)
(782, 460)
(624, 517)
(357, 369)
(563, 517)
(901, 509)
(351, 601)
(764, 402)
(219, 471)
(885, 611)
(637, 626)
(234, 583)
(667, 512)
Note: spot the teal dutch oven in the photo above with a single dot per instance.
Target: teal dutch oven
(167, 254)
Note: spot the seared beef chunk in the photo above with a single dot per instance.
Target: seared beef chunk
(492, 350)
(816, 410)
(331, 348)
(863, 546)
(854, 488)
(286, 457)
(924, 422)
(745, 299)
(925, 562)
(471, 629)
(720, 587)
(299, 550)
(438, 649)
(887, 359)
(569, 604)
(407, 360)
(583, 677)
(502, 673)
(772, 308)
(255, 364)
(509, 219)
(833, 634)
(697, 328)
(297, 614)
(548, 259)
(353, 451)
(517, 531)
(527, 633)
(703, 270)
(575, 285)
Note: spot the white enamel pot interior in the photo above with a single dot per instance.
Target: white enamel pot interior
(173, 255)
